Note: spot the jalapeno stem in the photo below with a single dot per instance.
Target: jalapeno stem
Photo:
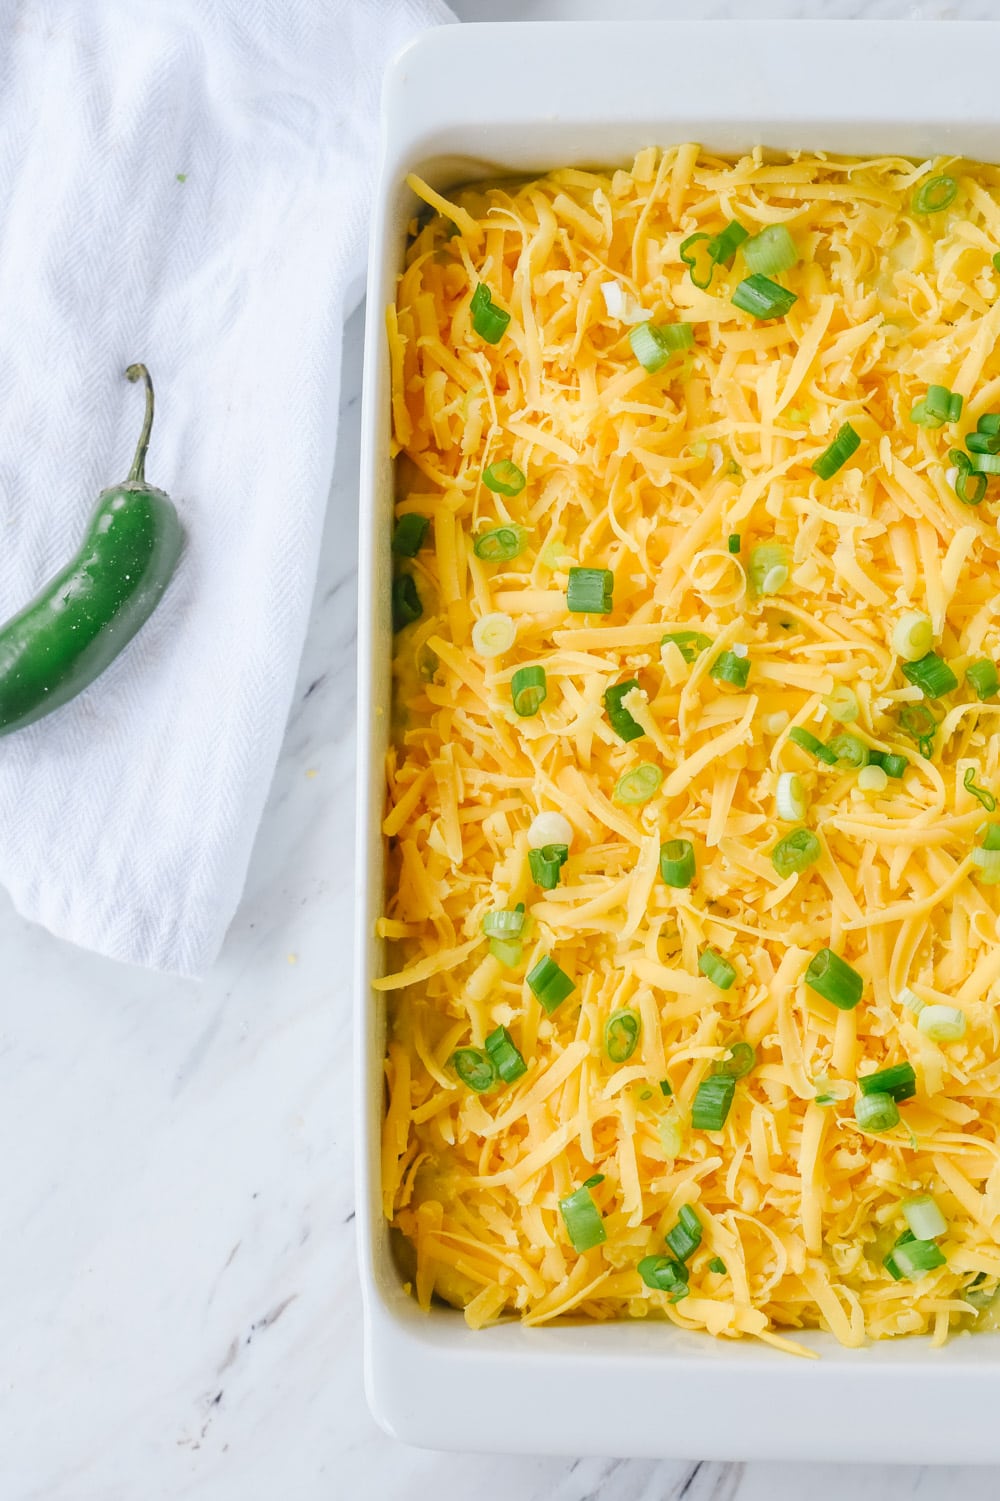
(138, 470)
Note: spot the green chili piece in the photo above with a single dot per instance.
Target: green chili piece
(78, 623)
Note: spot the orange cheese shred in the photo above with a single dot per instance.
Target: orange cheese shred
(667, 482)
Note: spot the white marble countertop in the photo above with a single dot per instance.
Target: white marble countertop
(178, 1297)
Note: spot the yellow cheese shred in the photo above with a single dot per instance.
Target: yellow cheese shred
(668, 481)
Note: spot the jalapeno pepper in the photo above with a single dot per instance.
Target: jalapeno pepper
(80, 621)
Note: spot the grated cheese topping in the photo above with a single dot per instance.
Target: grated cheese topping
(649, 475)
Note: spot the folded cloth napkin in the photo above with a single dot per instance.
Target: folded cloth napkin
(187, 183)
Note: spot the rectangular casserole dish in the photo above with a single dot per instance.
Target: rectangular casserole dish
(470, 102)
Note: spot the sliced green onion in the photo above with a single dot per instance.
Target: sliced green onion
(916, 1257)
(771, 252)
(938, 402)
(690, 644)
(795, 853)
(985, 463)
(938, 407)
(739, 1061)
(500, 545)
(474, 1068)
(834, 979)
(923, 418)
(942, 1023)
(987, 863)
(983, 442)
(509, 952)
(406, 606)
(549, 828)
(996, 261)
(619, 718)
(872, 779)
(978, 493)
(980, 1297)
(685, 1237)
(924, 1218)
(688, 1217)
(691, 259)
(427, 663)
(918, 722)
(763, 298)
(987, 799)
(647, 347)
(504, 478)
(671, 1134)
(664, 1275)
(506, 1058)
(621, 1034)
(593, 1180)
(912, 635)
(807, 742)
(546, 863)
(724, 245)
(987, 858)
(899, 1081)
(620, 304)
(505, 922)
(718, 251)
(677, 862)
(666, 1088)
(850, 750)
(729, 668)
(590, 591)
(733, 542)
(653, 344)
(638, 785)
(836, 456)
(549, 984)
(935, 194)
(911, 1001)
(790, 797)
(712, 1102)
(716, 968)
(842, 705)
(984, 678)
(582, 1219)
(876, 1112)
(528, 690)
(989, 422)
(489, 321)
(408, 538)
(769, 568)
(964, 475)
(717, 1265)
(676, 336)
(493, 634)
(931, 674)
(893, 765)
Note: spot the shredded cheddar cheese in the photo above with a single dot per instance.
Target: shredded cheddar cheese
(648, 474)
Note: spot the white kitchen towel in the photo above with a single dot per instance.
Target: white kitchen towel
(187, 183)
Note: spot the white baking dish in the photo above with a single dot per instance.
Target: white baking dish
(466, 102)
